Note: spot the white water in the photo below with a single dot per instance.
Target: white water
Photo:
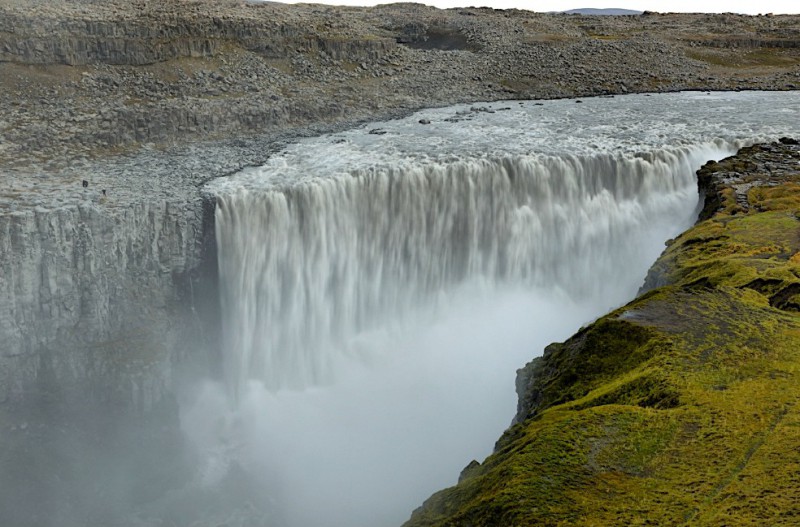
(330, 258)
(378, 291)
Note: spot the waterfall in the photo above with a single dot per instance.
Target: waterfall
(307, 266)
(381, 285)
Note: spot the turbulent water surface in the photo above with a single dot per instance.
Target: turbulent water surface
(380, 286)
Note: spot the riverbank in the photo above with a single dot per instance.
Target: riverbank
(83, 80)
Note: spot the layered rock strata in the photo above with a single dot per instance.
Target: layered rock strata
(89, 288)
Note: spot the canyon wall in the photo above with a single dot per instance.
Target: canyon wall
(93, 292)
(107, 286)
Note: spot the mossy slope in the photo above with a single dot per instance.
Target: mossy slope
(680, 408)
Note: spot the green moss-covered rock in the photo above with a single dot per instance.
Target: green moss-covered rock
(680, 408)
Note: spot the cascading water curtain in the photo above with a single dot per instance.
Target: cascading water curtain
(305, 268)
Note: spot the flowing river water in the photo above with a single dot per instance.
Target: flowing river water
(380, 286)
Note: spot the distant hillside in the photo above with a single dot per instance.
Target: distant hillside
(592, 11)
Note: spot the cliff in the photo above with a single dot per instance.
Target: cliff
(680, 407)
(86, 291)
(104, 291)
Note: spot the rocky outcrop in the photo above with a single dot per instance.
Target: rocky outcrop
(119, 36)
(684, 401)
(96, 292)
(725, 187)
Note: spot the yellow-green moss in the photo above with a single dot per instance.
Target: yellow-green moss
(680, 408)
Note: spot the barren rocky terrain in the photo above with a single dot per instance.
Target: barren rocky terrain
(82, 79)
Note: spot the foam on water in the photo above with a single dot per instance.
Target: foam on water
(307, 268)
(379, 289)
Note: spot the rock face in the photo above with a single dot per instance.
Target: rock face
(99, 302)
(95, 293)
(683, 402)
(102, 294)
(119, 35)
